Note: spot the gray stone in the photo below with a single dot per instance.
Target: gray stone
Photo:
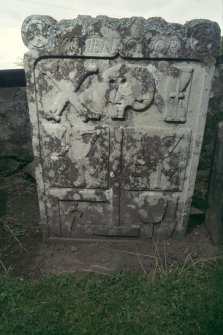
(214, 215)
(74, 249)
(15, 136)
(118, 109)
(214, 116)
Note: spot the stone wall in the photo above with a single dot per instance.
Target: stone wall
(15, 137)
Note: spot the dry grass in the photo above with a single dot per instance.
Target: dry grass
(17, 183)
(6, 225)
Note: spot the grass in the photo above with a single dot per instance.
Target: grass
(178, 302)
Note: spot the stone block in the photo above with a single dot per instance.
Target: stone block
(214, 215)
(118, 110)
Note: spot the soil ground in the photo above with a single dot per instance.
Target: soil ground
(23, 254)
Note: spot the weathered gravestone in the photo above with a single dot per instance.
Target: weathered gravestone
(118, 110)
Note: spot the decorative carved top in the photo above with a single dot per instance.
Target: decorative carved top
(134, 37)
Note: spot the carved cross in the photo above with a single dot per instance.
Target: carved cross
(177, 96)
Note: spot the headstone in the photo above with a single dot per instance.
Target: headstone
(118, 109)
(214, 215)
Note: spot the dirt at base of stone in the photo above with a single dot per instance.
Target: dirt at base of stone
(23, 254)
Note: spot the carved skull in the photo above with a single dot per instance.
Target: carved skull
(128, 87)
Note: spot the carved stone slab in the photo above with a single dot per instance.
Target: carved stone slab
(118, 109)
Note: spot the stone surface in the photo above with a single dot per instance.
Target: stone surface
(15, 136)
(118, 109)
(214, 215)
(214, 116)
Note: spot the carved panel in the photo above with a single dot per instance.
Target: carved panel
(77, 217)
(76, 158)
(155, 159)
(155, 213)
(64, 94)
(158, 214)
